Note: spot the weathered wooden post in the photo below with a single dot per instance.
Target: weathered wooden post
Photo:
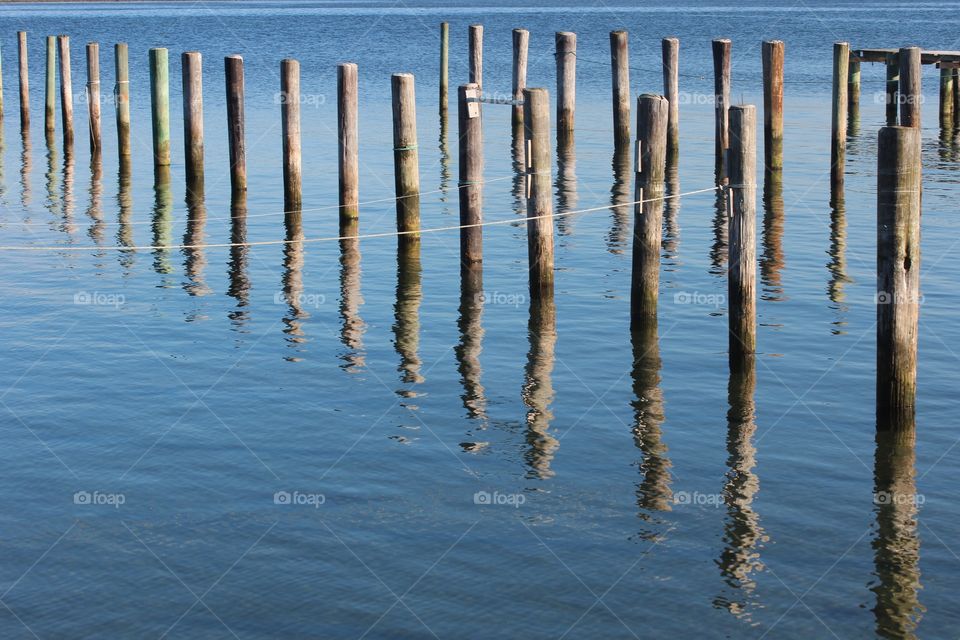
(406, 158)
(898, 274)
(290, 131)
(910, 96)
(348, 145)
(233, 67)
(49, 110)
(536, 129)
(773, 104)
(721, 97)
(566, 52)
(93, 95)
(893, 88)
(160, 106)
(956, 97)
(471, 176)
(947, 105)
(521, 42)
(24, 81)
(122, 95)
(670, 49)
(66, 90)
(653, 115)
(620, 62)
(838, 122)
(476, 54)
(853, 92)
(444, 65)
(191, 63)
(742, 274)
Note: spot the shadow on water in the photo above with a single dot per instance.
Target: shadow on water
(124, 213)
(566, 183)
(239, 287)
(537, 392)
(619, 235)
(671, 217)
(653, 490)
(194, 259)
(468, 350)
(743, 537)
(406, 326)
(352, 327)
(25, 169)
(896, 545)
(771, 257)
(162, 220)
(291, 283)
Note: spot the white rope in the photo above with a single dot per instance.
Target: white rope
(385, 234)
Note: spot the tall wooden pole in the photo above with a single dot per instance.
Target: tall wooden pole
(471, 175)
(233, 67)
(191, 63)
(838, 122)
(853, 92)
(521, 42)
(66, 90)
(476, 54)
(348, 145)
(24, 81)
(893, 88)
(93, 95)
(122, 93)
(721, 93)
(566, 52)
(444, 65)
(742, 276)
(160, 106)
(910, 96)
(620, 64)
(406, 159)
(947, 105)
(49, 123)
(670, 49)
(773, 105)
(536, 127)
(290, 132)
(898, 274)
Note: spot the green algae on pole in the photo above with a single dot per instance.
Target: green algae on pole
(160, 106)
(772, 52)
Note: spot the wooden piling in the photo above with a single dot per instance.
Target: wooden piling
(191, 64)
(406, 159)
(898, 274)
(893, 88)
(348, 145)
(476, 54)
(160, 106)
(772, 51)
(721, 96)
(947, 105)
(853, 91)
(233, 72)
(444, 65)
(66, 90)
(620, 66)
(290, 131)
(93, 95)
(956, 98)
(24, 81)
(471, 175)
(653, 116)
(742, 274)
(536, 127)
(670, 49)
(838, 122)
(566, 52)
(521, 43)
(910, 96)
(49, 123)
(122, 93)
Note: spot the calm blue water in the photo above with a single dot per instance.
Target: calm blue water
(634, 489)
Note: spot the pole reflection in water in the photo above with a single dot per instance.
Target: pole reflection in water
(718, 250)
(653, 490)
(125, 212)
(25, 169)
(445, 173)
(406, 327)
(3, 179)
(743, 537)
(538, 386)
(619, 234)
(837, 266)
(518, 157)
(468, 350)
(671, 216)
(95, 210)
(239, 287)
(566, 182)
(896, 546)
(771, 258)
(162, 219)
(352, 327)
(292, 282)
(53, 202)
(194, 259)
